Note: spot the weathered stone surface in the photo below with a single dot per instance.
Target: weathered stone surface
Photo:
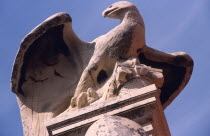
(127, 76)
(53, 67)
(137, 106)
(115, 126)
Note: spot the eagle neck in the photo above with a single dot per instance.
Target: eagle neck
(132, 17)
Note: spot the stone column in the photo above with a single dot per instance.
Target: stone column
(115, 126)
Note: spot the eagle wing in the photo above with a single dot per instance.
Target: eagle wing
(47, 68)
(177, 69)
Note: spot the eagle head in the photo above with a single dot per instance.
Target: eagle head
(118, 9)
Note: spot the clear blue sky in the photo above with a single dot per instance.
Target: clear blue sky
(181, 25)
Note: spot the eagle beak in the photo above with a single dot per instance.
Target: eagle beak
(107, 11)
(104, 14)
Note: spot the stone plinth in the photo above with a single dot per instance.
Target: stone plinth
(141, 106)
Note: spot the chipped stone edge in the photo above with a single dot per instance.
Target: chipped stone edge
(54, 20)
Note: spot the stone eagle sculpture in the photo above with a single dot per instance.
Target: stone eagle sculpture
(53, 65)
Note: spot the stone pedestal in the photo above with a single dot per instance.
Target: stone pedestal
(142, 106)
